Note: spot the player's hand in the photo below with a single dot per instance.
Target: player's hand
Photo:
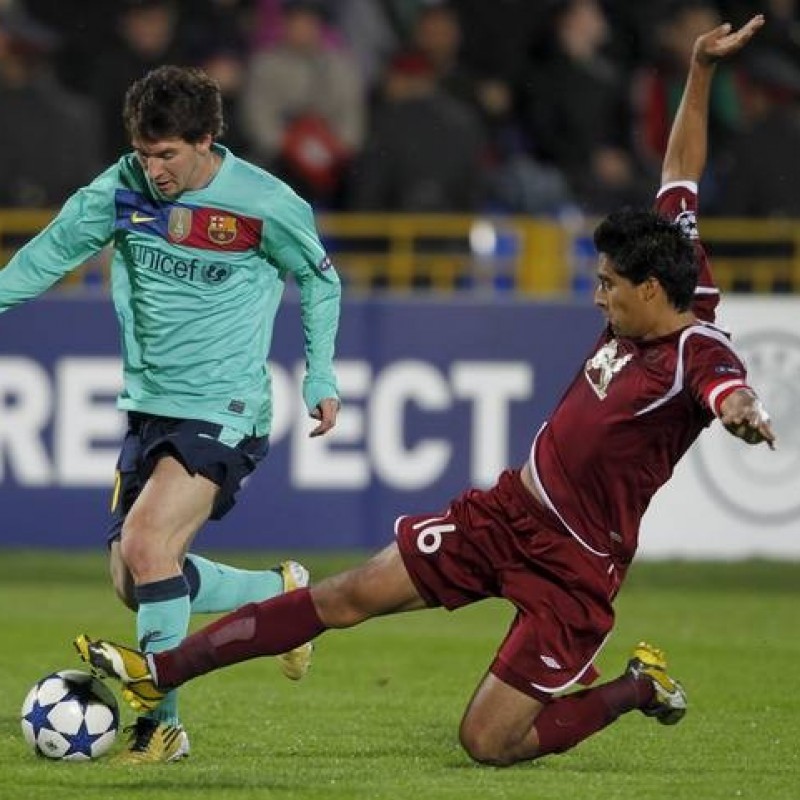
(744, 415)
(723, 41)
(326, 412)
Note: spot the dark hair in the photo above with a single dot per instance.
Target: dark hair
(642, 244)
(173, 102)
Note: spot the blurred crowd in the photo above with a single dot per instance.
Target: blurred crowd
(516, 106)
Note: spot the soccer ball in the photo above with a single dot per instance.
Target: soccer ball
(70, 715)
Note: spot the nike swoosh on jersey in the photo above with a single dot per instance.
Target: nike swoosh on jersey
(136, 218)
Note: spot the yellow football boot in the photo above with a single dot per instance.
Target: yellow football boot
(129, 667)
(669, 703)
(296, 662)
(153, 742)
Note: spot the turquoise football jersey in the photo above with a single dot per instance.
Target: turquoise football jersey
(196, 283)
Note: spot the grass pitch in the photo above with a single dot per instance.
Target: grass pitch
(378, 715)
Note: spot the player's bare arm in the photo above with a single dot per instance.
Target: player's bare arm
(744, 415)
(326, 412)
(685, 157)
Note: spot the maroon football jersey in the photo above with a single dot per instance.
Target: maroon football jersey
(632, 411)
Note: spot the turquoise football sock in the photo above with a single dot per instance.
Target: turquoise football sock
(216, 587)
(161, 623)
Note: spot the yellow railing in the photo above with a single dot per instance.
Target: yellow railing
(404, 252)
(18, 225)
(754, 255)
(407, 251)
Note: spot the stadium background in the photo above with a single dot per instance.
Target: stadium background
(462, 321)
(461, 325)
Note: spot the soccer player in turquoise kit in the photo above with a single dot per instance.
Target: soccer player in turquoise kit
(203, 242)
(556, 536)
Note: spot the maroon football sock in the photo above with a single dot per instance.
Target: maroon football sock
(269, 628)
(568, 720)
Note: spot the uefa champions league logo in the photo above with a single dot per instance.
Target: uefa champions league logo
(753, 482)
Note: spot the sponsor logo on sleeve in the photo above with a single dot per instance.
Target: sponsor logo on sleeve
(687, 222)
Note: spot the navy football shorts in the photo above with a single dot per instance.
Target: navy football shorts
(196, 444)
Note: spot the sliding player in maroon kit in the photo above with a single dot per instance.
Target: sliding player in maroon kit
(556, 537)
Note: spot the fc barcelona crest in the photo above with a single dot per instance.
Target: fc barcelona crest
(179, 224)
(221, 228)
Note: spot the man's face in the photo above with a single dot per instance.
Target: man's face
(174, 165)
(624, 305)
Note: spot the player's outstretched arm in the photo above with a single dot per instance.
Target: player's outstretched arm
(744, 415)
(685, 158)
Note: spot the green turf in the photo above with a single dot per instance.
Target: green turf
(378, 715)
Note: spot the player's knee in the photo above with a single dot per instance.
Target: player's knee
(483, 746)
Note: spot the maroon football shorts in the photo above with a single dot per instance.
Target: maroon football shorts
(503, 543)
